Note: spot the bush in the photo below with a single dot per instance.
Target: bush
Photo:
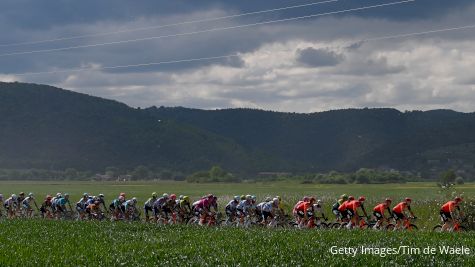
(459, 180)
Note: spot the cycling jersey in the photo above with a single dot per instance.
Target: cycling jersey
(81, 204)
(62, 201)
(244, 206)
(149, 202)
(260, 206)
(26, 202)
(380, 208)
(129, 204)
(10, 203)
(352, 206)
(399, 208)
(267, 206)
(449, 207)
(232, 205)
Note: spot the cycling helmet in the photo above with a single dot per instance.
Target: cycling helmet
(276, 201)
(361, 199)
(186, 198)
(30, 194)
(165, 195)
(319, 202)
(85, 195)
(268, 199)
(122, 194)
(408, 199)
(237, 198)
(66, 194)
(173, 197)
(49, 197)
(458, 199)
(58, 194)
(14, 196)
(121, 198)
(253, 197)
(180, 197)
(305, 198)
(388, 200)
(344, 197)
(101, 195)
(154, 194)
(243, 197)
(248, 197)
(22, 193)
(134, 199)
(1, 196)
(351, 198)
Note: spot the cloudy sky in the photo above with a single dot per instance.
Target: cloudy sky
(304, 65)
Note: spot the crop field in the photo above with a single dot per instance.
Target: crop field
(70, 243)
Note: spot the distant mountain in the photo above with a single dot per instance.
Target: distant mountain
(51, 128)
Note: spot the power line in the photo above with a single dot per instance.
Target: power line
(237, 55)
(168, 25)
(208, 30)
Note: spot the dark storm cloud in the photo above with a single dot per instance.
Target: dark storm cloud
(318, 57)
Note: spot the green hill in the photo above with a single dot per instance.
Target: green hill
(50, 128)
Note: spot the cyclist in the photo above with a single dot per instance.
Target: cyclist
(101, 200)
(81, 206)
(94, 211)
(148, 206)
(378, 212)
(184, 208)
(19, 201)
(305, 211)
(268, 210)
(447, 213)
(352, 211)
(60, 205)
(294, 210)
(10, 205)
(399, 211)
(202, 208)
(130, 208)
(27, 204)
(260, 206)
(343, 208)
(343, 198)
(231, 209)
(158, 206)
(243, 208)
(46, 207)
(117, 208)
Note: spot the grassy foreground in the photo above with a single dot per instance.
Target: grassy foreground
(52, 243)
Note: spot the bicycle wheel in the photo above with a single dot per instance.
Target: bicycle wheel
(412, 227)
(437, 228)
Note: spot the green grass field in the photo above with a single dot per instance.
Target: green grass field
(52, 243)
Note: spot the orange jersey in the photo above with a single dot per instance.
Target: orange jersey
(343, 207)
(298, 204)
(353, 205)
(381, 208)
(400, 207)
(304, 206)
(449, 206)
